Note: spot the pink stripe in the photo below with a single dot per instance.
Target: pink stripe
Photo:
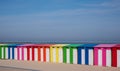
(96, 56)
(22, 53)
(18, 52)
(103, 57)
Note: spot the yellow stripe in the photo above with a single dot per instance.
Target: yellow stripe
(57, 54)
(51, 54)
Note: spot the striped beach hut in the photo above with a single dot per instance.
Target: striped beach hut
(70, 53)
(85, 54)
(3, 51)
(116, 56)
(24, 52)
(41, 52)
(12, 51)
(102, 54)
(56, 53)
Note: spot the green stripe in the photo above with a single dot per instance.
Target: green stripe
(4, 52)
(0, 52)
(64, 55)
(71, 55)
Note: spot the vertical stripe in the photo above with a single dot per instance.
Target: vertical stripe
(25, 53)
(75, 56)
(79, 55)
(100, 57)
(36, 54)
(8, 52)
(54, 54)
(44, 54)
(57, 54)
(103, 57)
(0, 52)
(18, 53)
(28, 53)
(22, 53)
(60, 55)
(71, 55)
(95, 56)
(86, 56)
(47, 55)
(91, 57)
(4, 52)
(83, 56)
(39, 55)
(68, 55)
(114, 57)
(64, 55)
(13, 52)
(108, 57)
(118, 58)
(51, 54)
(33, 54)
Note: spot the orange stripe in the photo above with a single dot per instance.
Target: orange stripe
(44, 54)
(39, 55)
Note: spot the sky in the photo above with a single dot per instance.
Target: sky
(60, 20)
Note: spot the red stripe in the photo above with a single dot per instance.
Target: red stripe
(44, 54)
(32, 53)
(39, 54)
(114, 57)
(28, 53)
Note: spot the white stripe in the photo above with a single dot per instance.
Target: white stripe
(99, 57)
(68, 55)
(90, 57)
(15, 54)
(60, 55)
(11, 53)
(54, 54)
(20, 50)
(6, 53)
(25, 53)
(83, 56)
(108, 58)
(30, 54)
(36, 54)
(41, 54)
(74, 56)
(118, 58)
(2, 52)
(47, 55)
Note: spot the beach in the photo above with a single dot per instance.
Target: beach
(15, 65)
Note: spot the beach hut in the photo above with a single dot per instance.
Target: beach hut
(102, 54)
(12, 51)
(3, 51)
(41, 52)
(85, 54)
(116, 56)
(24, 52)
(56, 53)
(70, 53)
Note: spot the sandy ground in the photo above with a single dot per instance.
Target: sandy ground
(15, 65)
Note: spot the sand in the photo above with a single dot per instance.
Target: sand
(15, 65)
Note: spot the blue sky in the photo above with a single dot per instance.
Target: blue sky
(60, 20)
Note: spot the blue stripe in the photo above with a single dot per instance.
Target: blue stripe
(8, 52)
(79, 56)
(86, 56)
(12, 52)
